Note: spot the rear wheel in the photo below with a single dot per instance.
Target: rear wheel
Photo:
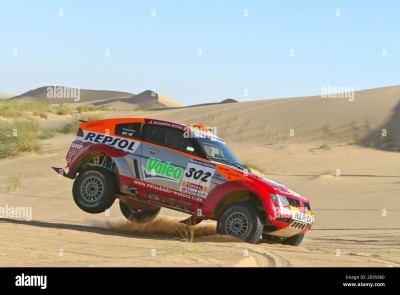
(137, 215)
(94, 190)
(241, 220)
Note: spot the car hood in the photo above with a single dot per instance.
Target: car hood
(278, 188)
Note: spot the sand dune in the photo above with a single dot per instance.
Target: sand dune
(62, 94)
(120, 100)
(5, 95)
(336, 158)
(314, 119)
(228, 100)
(146, 100)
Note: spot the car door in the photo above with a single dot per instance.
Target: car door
(163, 162)
(172, 161)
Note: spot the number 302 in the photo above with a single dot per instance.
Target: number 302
(196, 174)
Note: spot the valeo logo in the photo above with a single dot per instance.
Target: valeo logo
(164, 169)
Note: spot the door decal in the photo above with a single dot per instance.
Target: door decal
(197, 178)
(162, 170)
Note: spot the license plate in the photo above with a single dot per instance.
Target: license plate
(302, 217)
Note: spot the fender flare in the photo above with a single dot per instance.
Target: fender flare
(218, 194)
(113, 153)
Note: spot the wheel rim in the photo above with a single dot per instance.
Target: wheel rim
(237, 225)
(92, 188)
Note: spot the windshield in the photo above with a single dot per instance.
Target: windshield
(218, 151)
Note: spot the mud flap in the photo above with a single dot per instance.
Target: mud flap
(192, 220)
(60, 171)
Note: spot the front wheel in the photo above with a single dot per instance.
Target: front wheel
(241, 220)
(94, 190)
(292, 241)
(137, 215)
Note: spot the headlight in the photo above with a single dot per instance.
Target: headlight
(280, 200)
(275, 198)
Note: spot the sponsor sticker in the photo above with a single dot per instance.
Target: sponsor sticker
(302, 217)
(75, 148)
(162, 170)
(129, 146)
(197, 178)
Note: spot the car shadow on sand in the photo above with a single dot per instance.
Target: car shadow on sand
(162, 228)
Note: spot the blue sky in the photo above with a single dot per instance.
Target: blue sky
(238, 52)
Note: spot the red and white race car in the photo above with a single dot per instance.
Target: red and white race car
(148, 164)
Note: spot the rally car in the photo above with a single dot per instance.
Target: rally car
(148, 164)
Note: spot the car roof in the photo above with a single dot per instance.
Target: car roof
(198, 129)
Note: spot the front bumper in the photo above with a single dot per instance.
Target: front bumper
(290, 222)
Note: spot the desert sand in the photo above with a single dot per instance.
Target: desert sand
(329, 150)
